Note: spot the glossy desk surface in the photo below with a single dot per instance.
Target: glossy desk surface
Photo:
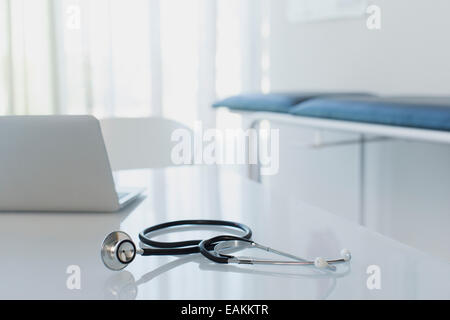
(39, 247)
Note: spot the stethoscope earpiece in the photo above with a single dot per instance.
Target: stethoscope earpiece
(321, 263)
(118, 250)
(346, 255)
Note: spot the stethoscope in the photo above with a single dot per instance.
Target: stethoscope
(118, 250)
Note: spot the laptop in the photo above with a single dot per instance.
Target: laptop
(57, 163)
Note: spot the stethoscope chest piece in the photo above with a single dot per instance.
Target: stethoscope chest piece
(118, 250)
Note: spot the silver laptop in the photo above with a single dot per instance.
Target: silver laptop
(56, 163)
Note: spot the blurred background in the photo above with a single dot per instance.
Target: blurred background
(174, 58)
(130, 58)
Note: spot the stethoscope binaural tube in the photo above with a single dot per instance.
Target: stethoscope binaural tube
(219, 241)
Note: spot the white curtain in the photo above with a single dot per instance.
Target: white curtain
(130, 57)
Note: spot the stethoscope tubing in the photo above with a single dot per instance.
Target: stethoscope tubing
(188, 246)
(206, 245)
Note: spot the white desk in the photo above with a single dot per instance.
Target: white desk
(38, 247)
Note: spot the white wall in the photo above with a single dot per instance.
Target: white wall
(406, 184)
(409, 55)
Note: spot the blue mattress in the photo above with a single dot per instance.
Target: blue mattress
(276, 102)
(417, 112)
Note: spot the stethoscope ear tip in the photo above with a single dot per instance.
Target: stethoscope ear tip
(118, 250)
(322, 263)
(346, 254)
